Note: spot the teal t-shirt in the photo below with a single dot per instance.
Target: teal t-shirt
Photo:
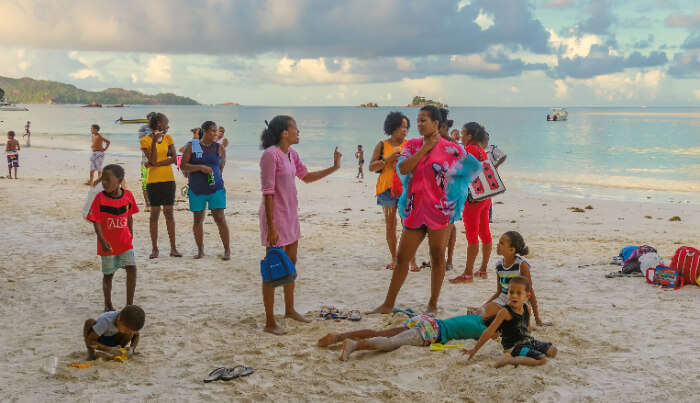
(461, 328)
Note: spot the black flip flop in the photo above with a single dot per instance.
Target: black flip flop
(216, 374)
(236, 372)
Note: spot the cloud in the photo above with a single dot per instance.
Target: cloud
(605, 61)
(681, 20)
(85, 73)
(561, 90)
(601, 18)
(626, 87)
(692, 42)
(686, 64)
(558, 4)
(697, 94)
(484, 20)
(573, 46)
(644, 43)
(157, 71)
(431, 87)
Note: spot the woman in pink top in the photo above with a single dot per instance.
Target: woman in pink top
(279, 222)
(435, 174)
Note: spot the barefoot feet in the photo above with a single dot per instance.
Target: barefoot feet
(154, 254)
(297, 316)
(175, 253)
(327, 340)
(226, 256)
(199, 255)
(275, 329)
(383, 309)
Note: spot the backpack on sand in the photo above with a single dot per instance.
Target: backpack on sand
(687, 260)
(666, 277)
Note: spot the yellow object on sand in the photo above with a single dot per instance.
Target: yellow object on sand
(80, 365)
(443, 347)
(123, 357)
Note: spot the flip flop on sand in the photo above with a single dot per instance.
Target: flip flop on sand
(484, 275)
(621, 274)
(390, 266)
(463, 278)
(425, 265)
(355, 315)
(215, 375)
(236, 372)
(415, 268)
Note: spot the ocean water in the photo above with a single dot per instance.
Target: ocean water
(612, 153)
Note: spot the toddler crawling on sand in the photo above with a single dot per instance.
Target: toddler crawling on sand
(420, 330)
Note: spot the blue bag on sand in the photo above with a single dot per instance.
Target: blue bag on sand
(277, 268)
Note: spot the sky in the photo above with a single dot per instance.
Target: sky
(333, 52)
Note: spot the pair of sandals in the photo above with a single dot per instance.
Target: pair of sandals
(227, 374)
(414, 268)
(335, 314)
(617, 274)
(465, 278)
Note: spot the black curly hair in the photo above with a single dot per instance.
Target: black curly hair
(393, 121)
(517, 242)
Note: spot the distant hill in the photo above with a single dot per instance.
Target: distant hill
(419, 102)
(30, 91)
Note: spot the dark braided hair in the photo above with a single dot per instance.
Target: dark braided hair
(517, 242)
(272, 134)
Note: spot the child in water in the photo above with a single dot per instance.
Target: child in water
(513, 321)
(360, 155)
(111, 214)
(512, 247)
(420, 330)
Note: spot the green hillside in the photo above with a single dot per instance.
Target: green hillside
(30, 91)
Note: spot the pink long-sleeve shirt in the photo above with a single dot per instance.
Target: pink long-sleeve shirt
(277, 172)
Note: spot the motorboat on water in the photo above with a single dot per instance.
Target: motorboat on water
(557, 114)
(8, 107)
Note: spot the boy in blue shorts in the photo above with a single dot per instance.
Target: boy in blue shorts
(111, 214)
(420, 330)
(513, 322)
(114, 329)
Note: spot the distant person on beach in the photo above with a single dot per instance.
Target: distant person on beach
(12, 151)
(360, 156)
(28, 133)
(513, 321)
(445, 126)
(419, 330)
(512, 247)
(144, 131)
(476, 214)
(279, 222)
(383, 162)
(159, 149)
(206, 186)
(97, 158)
(497, 157)
(221, 139)
(111, 214)
(435, 173)
(114, 329)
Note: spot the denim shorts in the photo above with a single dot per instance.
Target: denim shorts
(216, 200)
(110, 264)
(384, 199)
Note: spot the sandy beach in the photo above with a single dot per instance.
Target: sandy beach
(618, 339)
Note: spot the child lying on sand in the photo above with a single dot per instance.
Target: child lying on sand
(420, 330)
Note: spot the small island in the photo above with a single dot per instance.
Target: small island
(93, 104)
(229, 104)
(370, 105)
(419, 102)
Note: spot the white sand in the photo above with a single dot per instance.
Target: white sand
(618, 339)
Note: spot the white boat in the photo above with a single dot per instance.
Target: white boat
(556, 114)
(8, 107)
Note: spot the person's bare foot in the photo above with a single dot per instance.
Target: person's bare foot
(384, 310)
(432, 310)
(199, 255)
(348, 347)
(226, 256)
(297, 316)
(327, 340)
(154, 254)
(175, 253)
(276, 330)
(504, 361)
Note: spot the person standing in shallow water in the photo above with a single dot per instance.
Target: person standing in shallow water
(279, 222)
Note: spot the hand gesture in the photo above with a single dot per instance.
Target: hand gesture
(106, 247)
(336, 158)
(430, 141)
(272, 236)
(157, 135)
(393, 157)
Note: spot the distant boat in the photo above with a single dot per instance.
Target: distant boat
(557, 114)
(116, 106)
(130, 121)
(8, 107)
(93, 105)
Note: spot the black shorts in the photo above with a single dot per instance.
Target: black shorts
(161, 193)
(109, 341)
(533, 349)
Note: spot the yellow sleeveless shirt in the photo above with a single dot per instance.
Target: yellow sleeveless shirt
(386, 178)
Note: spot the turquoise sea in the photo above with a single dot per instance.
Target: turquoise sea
(613, 153)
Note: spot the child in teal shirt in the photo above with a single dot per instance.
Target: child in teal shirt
(419, 330)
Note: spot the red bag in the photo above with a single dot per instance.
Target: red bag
(687, 260)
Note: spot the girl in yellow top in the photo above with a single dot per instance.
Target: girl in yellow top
(383, 161)
(159, 149)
